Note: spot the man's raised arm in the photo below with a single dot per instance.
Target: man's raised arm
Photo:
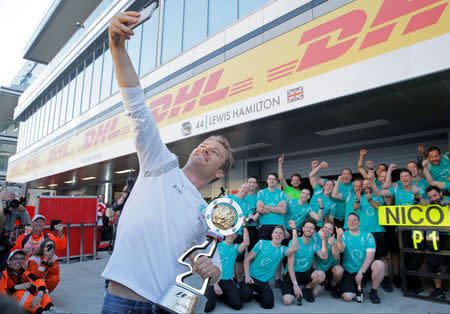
(151, 151)
(118, 33)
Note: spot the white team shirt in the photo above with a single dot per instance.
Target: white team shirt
(163, 216)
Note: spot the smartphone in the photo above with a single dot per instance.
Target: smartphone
(145, 15)
(53, 223)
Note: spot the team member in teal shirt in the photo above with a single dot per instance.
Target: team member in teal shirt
(405, 193)
(239, 198)
(359, 252)
(439, 165)
(440, 184)
(349, 198)
(225, 290)
(298, 269)
(345, 187)
(264, 259)
(250, 199)
(321, 199)
(368, 213)
(298, 210)
(292, 191)
(330, 266)
(416, 178)
(271, 205)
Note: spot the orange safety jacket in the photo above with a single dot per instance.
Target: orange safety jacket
(33, 242)
(10, 279)
(48, 270)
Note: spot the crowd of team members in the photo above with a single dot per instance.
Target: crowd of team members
(329, 239)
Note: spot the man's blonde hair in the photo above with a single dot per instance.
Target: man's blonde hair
(226, 165)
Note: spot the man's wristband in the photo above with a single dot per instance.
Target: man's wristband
(360, 272)
(295, 283)
(357, 201)
(320, 207)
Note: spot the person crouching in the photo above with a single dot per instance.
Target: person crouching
(25, 287)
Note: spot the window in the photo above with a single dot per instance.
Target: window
(45, 112)
(78, 90)
(64, 97)
(134, 47)
(39, 123)
(56, 109)
(246, 7)
(149, 44)
(195, 22)
(51, 116)
(172, 29)
(107, 75)
(71, 97)
(221, 14)
(97, 76)
(86, 102)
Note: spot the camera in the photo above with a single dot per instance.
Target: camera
(49, 246)
(249, 220)
(12, 203)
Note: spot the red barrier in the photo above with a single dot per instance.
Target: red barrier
(73, 210)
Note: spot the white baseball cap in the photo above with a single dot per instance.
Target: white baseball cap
(37, 216)
(15, 252)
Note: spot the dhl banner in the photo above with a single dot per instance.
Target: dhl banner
(362, 45)
(414, 215)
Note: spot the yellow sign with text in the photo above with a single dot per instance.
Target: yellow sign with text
(414, 215)
(353, 33)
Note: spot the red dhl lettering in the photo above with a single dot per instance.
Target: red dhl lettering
(59, 152)
(165, 108)
(99, 135)
(350, 26)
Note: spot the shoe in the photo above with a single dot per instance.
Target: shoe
(373, 295)
(54, 309)
(438, 293)
(397, 281)
(386, 285)
(307, 294)
(278, 283)
(417, 290)
(334, 291)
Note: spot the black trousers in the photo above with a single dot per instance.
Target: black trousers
(264, 294)
(253, 233)
(231, 296)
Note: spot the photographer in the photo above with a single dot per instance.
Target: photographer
(118, 204)
(31, 241)
(12, 210)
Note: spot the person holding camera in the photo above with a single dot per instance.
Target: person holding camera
(44, 264)
(30, 242)
(119, 203)
(12, 211)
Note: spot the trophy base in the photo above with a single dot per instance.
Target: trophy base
(178, 299)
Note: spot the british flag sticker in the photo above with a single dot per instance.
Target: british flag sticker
(295, 94)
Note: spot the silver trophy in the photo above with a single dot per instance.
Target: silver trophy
(224, 217)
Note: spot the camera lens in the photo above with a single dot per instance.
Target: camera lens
(12, 203)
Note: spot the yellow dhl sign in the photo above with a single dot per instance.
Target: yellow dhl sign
(414, 215)
(358, 31)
